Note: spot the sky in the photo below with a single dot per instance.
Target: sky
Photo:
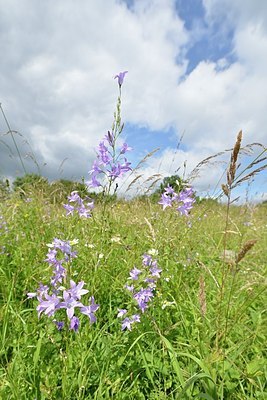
(197, 76)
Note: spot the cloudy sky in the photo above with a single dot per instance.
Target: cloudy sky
(197, 71)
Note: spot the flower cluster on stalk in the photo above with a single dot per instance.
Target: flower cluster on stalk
(78, 205)
(63, 293)
(111, 162)
(183, 200)
(108, 163)
(142, 287)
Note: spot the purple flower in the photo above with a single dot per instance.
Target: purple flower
(125, 148)
(155, 270)
(49, 306)
(69, 303)
(95, 168)
(184, 199)
(77, 291)
(70, 209)
(59, 274)
(120, 77)
(136, 318)
(169, 190)
(183, 209)
(51, 256)
(74, 323)
(110, 161)
(75, 198)
(41, 291)
(129, 287)
(121, 312)
(110, 138)
(134, 274)
(104, 154)
(147, 259)
(79, 207)
(165, 201)
(94, 182)
(125, 167)
(126, 324)
(143, 297)
(90, 310)
(56, 297)
(59, 324)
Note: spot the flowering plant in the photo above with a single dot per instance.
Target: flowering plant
(111, 162)
(63, 293)
(184, 200)
(142, 290)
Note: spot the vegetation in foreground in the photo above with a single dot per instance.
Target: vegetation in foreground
(192, 342)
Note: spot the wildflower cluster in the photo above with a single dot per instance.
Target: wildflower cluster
(63, 293)
(142, 290)
(111, 162)
(184, 200)
(84, 210)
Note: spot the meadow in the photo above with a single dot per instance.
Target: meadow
(193, 341)
(128, 300)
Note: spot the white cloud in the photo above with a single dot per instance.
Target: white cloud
(57, 87)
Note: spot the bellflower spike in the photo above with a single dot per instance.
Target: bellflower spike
(55, 298)
(142, 289)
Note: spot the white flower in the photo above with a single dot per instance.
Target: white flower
(153, 252)
(74, 241)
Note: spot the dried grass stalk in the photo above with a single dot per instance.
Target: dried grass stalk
(202, 296)
(250, 175)
(133, 182)
(246, 247)
(153, 184)
(153, 235)
(234, 156)
(146, 157)
(225, 190)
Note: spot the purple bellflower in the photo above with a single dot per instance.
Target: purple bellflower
(141, 290)
(120, 77)
(110, 162)
(55, 298)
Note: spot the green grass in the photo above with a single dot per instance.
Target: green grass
(176, 352)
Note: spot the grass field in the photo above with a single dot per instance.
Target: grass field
(136, 302)
(203, 335)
